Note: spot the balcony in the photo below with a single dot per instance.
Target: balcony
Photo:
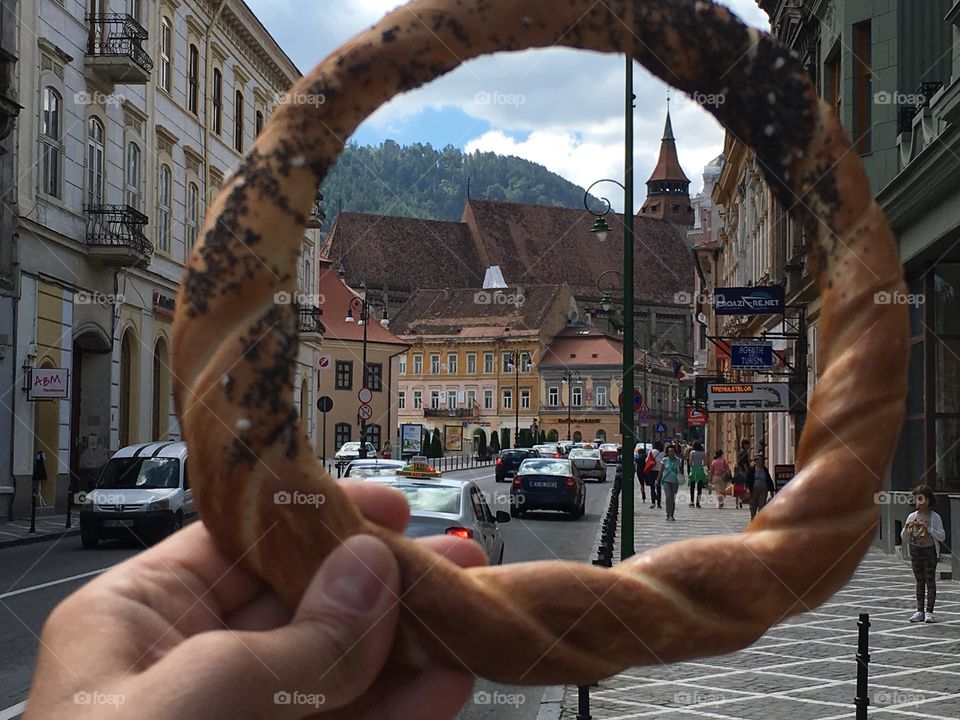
(451, 413)
(317, 214)
(309, 320)
(115, 49)
(115, 235)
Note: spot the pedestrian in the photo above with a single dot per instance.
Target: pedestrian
(39, 477)
(697, 472)
(387, 451)
(921, 537)
(740, 489)
(669, 480)
(654, 461)
(719, 472)
(759, 485)
(639, 465)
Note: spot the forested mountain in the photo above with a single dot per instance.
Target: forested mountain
(420, 181)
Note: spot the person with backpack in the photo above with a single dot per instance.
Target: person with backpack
(652, 469)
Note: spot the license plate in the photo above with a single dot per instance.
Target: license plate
(542, 484)
(118, 523)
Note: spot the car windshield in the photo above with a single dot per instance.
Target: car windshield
(546, 466)
(584, 453)
(426, 498)
(140, 474)
(350, 447)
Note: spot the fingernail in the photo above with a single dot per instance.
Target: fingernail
(357, 574)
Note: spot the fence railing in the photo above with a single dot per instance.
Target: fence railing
(118, 35)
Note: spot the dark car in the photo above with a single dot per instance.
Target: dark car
(509, 460)
(548, 484)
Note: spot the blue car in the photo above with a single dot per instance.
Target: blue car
(548, 484)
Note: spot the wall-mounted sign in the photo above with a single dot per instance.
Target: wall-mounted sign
(751, 354)
(49, 384)
(453, 438)
(764, 300)
(783, 474)
(696, 418)
(163, 305)
(748, 397)
(581, 421)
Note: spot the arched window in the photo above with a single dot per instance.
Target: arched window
(578, 436)
(132, 180)
(238, 121)
(163, 203)
(95, 153)
(51, 145)
(166, 54)
(193, 214)
(259, 126)
(341, 434)
(602, 435)
(193, 80)
(217, 122)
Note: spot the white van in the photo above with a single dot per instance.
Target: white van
(143, 491)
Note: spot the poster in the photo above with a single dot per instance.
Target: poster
(411, 439)
(453, 438)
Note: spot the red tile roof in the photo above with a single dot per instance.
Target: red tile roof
(586, 345)
(668, 164)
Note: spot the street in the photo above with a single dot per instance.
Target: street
(34, 578)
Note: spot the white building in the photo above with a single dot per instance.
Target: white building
(136, 111)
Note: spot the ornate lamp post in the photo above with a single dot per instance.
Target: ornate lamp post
(363, 306)
(567, 379)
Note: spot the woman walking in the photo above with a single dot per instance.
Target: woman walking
(697, 472)
(669, 480)
(759, 484)
(653, 474)
(719, 470)
(922, 534)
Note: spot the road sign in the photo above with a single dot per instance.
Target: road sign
(637, 400)
(324, 362)
(748, 397)
(755, 354)
(325, 403)
(365, 412)
(661, 427)
(645, 416)
(365, 395)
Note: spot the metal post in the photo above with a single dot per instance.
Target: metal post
(862, 701)
(324, 437)
(569, 404)
(71, 489)
(583, 702)
(33, 506)
(626, 410)
(516, 407)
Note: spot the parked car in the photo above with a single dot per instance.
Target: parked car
(508, 461)
(548, 450)
(368, 468)
(589, 463)
(350, 451)
(610, 452)
(444, 506)
(143, 491)
(548, 484)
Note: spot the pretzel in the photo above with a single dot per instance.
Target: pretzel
(546, 622)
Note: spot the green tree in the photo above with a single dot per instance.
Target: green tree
(543, 437)
(505, 438)
(480, 443)
(494, 442)
(436, 448)
(553, 436)
(526, 438)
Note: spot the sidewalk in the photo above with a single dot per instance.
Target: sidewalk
(49, 527)
(804, 668)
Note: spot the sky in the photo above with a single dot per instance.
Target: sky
(560, 108)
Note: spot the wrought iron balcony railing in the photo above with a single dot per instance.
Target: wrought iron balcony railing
(451, 413)
(309, 319)
(117, 226)
(118, 35)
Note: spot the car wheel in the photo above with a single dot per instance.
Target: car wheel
(89, 541)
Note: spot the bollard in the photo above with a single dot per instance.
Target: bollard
(862, 700)
(583, 702)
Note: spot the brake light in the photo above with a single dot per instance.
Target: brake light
(499, 461)
(460, 532)
(570, 483)
(556, 455)
(517, 481)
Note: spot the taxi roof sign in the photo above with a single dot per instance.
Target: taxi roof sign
(418, 467)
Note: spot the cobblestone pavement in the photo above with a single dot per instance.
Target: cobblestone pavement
(49, 527)
(804, 668)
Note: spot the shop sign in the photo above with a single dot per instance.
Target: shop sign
(163, 305)
(49, 384)
(751, 354)
(748, 397)
(696, 418)
(762, 300)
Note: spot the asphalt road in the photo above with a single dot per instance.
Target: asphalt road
(35, 578)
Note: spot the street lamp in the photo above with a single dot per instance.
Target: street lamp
(607, 288)
(515, 359)
(567, 378)
(364, 306)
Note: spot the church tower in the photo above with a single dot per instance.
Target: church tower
(668, 189)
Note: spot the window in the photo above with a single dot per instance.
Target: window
(238, 122)
(344, 375)
(524, 399)
(525, 362)
(401, 400)
(259, 122)
(471, 363)
(862, 79)
(135, 10)
(417, 399)
(132, 188)
(374, 434)
(375, 376)
(488, 362)
(452, 364)
(402, 365)
(507, 363)
(217, 121)
(95, 151)
(434, 399)
(507, 399)
(166, 54)
(553, 396)
(601, 396)
(434, 364)
(51, 149)
(341, 434)
(193, 81)
(488, 399)
(193, 214)
(831, 78)
(576, 396)
(418, 364)
(471, 399)
(163, 202)
(451, 399)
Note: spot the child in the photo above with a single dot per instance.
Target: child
(921, 537)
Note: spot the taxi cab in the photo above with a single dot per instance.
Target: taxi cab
(446, 506)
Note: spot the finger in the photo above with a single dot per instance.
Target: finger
(380, 504)
(465, 553)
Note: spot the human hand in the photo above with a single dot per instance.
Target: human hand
(180, 631)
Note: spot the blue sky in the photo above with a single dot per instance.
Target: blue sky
(560, 108)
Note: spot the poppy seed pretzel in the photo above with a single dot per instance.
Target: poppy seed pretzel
(547, 622)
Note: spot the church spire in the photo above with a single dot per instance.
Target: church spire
(668, 189)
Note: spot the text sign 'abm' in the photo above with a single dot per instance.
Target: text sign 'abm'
(748, 397)
(763, 300)
(751, 355)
